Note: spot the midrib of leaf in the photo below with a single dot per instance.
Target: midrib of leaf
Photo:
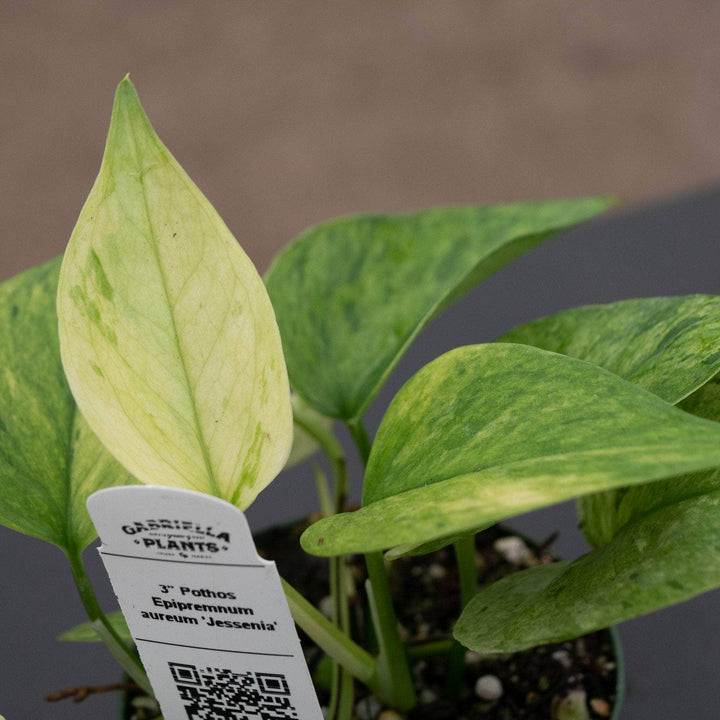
(181, 353)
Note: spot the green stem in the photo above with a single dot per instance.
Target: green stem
(337, 669)
(343, 685)
(326, 504)
(331, 639)
(465, 556)
(119, 649)
(394, 669)
(343, 689)
(360, 436)
(346, 700)
(331, 445)
(435, 648)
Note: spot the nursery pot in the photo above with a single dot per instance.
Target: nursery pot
(581, 679)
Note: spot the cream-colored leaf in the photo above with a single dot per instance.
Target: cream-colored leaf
(167, 336)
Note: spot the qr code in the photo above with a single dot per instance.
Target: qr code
(216, 694)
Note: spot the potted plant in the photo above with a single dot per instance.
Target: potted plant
(171, 345)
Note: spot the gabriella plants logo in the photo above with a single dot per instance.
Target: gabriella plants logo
(177, 536)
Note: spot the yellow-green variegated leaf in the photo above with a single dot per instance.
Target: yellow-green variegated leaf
(667, 345)
(659, 547)
(656, 542)
(50, 460)
(668, 556)
(353, 293)
(168, 338)
(489, 431)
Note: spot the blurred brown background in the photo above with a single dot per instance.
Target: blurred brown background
(286, 114)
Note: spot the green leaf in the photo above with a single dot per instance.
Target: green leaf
(85, 632)
(667, 345)
(670, 555)
(168, 338)
(657, 547)
(351, 294)
(50, 461)
(485, 432)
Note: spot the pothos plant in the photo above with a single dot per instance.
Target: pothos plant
(168, 368)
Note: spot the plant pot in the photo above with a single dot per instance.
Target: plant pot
(538, 684)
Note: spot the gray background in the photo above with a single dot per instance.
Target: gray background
(287, 114)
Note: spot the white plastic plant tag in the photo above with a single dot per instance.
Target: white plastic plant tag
(209, 616)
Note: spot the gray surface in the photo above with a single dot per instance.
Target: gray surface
(672, 656)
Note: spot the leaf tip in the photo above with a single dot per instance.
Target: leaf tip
(129, 127)
(125, 85)
(126, 95)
